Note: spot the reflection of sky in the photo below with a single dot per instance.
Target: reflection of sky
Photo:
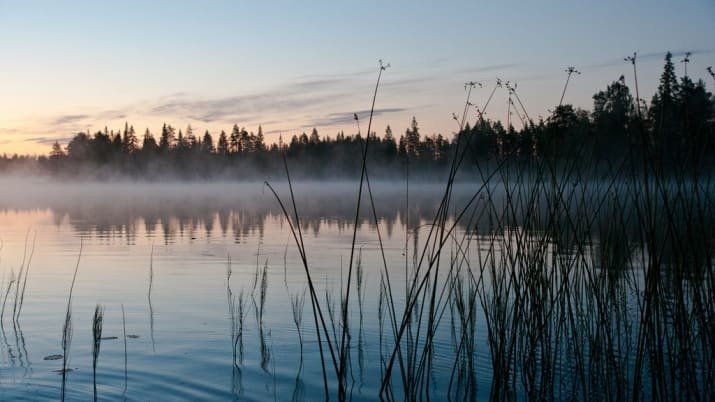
(168, 213)
(181, 346)
(291, 66)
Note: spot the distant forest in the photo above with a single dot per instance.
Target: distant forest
(677, 128)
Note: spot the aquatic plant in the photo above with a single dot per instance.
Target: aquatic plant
(97, 343)
(339, 350)
(593, 282)
(67, 327)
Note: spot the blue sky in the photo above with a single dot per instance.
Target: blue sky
(287, 65)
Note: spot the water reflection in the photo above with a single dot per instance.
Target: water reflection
(199, 213)
(192, 222)
(15, 347)
(115, 212)
(536, 286)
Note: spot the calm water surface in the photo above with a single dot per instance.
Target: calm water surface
(161, 253)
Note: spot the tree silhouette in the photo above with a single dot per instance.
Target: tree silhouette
(207, 143)
(613, 111)
(223, 147)
(678, 125)
(149, 144)
(662, 110)
(166, 141)
(412, 139)
(57, 151)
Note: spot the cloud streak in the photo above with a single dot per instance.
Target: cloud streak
(50, 140)
(650, 56)
(289, 98)
(334, 119)
(490, 68)
(69, 119)
(315, 102)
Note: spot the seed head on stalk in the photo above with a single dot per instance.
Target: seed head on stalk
(685, 61)
(569, 71)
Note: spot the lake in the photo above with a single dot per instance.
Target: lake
(161, 252)
(205, 296)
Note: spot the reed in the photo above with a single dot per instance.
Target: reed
(124, 337)
(17, 308)
(7, 293)
(237, 313)
(297, 302)
(339, 349)
(97, 343)
(259, 307)
(148, 298)
(590, 282)
(67, 327)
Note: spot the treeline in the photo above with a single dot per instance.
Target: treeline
(242, 154)
(676, 128)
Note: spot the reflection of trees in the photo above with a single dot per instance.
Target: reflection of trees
(113, 213)
(170, 218)
(116, 213)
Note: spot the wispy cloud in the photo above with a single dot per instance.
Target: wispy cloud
(312, 101)
(276, 131)
(50, 140)
(536, 76)
(334, 119)
(9, 131)
(646, 57)
(408, 83)
(117, 114)
(72, 123)
(676, 53)
(290, 98)
(490, 68)
(347, 75)
(69, 118)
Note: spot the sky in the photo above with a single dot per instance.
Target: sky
(290, 66)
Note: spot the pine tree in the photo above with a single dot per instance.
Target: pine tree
(260, 141)
(149, 144)
(166, 141)
(244, 141)
(694, 111)
(388, 134)
(389, 145)
(412, 139)
(251, 142)
(613, 110)
(314, 137)
(223, 147)
(191, 141)
(57, 151)
(129, 142)
(402, 147)
(207, 144)
(662, 110)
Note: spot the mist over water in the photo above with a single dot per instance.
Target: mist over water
(193, 264)
(160, 251)
(101, 206)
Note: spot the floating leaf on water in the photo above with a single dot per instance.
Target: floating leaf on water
(52, 357)
(108, 338)
(132, 336)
